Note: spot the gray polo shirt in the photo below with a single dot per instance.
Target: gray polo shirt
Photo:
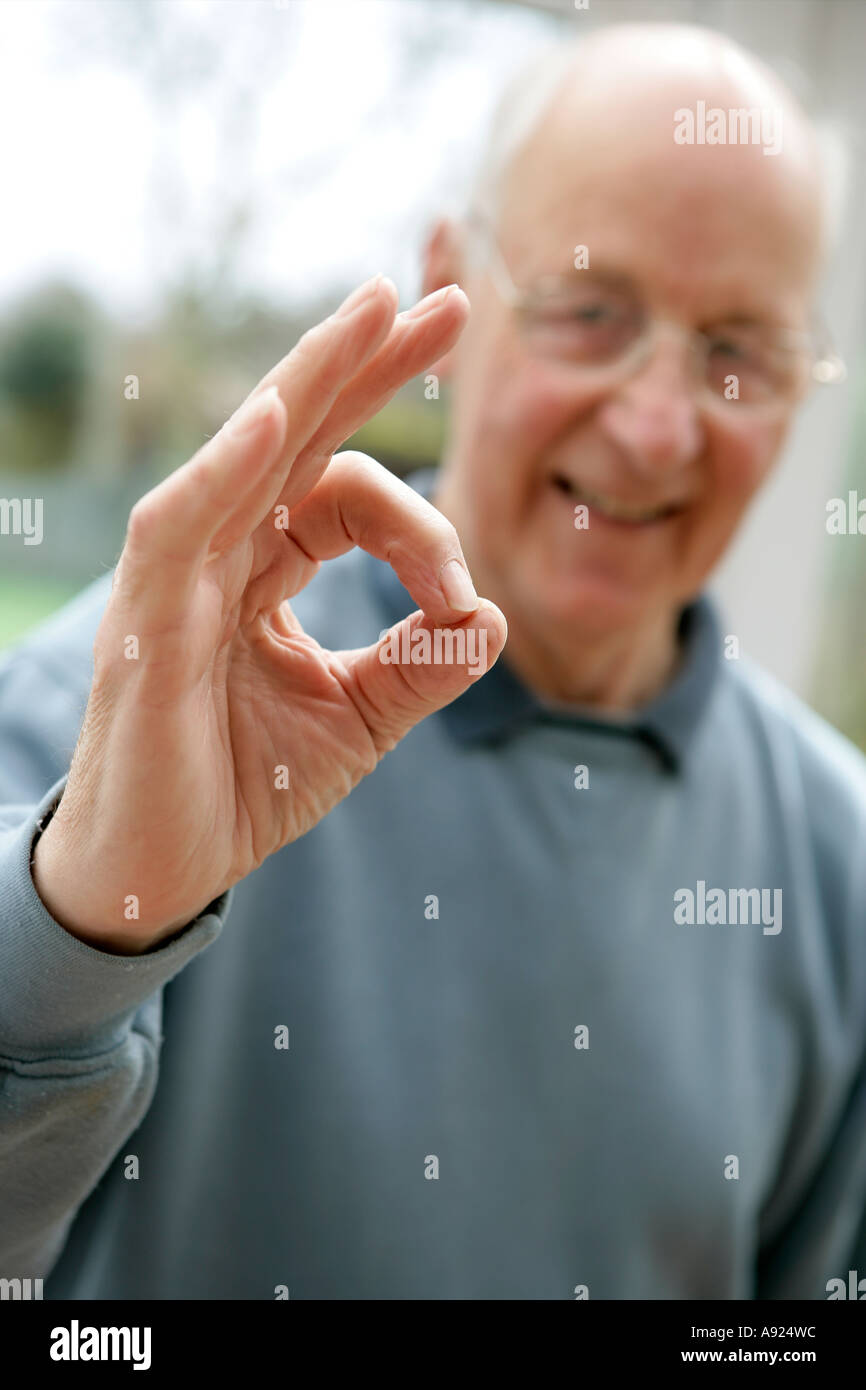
(552, 1006)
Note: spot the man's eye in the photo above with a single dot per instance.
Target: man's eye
(728, 347)
(750, 351)
(598, 314)
(595, 313)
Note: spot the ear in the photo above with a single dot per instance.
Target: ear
(442, 264)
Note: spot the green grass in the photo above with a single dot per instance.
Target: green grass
(23, 605)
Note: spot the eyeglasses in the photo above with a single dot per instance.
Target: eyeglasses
(598, 327)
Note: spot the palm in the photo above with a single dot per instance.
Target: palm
(264, 729)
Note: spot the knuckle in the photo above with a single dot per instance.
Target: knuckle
(443, 540)
(449, 540)
(310, 351)
(326, 356)
(197, 473)
(142, 521)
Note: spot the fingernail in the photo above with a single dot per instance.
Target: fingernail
(432, 301)
(359, 296)
(458, 588)
(249, 416)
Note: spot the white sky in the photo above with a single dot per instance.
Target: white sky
(118, 186)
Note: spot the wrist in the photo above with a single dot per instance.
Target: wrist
(57, 871)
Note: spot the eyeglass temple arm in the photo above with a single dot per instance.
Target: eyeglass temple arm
(499, 273)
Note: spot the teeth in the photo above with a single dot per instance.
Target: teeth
(609, 506)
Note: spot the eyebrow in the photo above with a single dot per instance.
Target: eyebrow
(621, 283)
(608, 279)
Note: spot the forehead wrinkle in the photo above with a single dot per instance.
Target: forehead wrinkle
(690, 232)
(694, 225)
(612, 117)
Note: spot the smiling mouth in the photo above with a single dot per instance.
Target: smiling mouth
(612, 508)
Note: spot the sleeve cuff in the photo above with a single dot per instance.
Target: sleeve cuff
(60, 996)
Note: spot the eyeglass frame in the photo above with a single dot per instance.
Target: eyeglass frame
(827, 368)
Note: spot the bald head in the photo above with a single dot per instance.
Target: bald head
(642, 88)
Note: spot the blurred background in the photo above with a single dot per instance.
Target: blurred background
(189, 184)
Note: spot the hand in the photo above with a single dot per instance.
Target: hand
(205, 684)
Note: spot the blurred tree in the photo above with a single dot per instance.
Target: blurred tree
(46, 349)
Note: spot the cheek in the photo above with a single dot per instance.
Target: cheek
(742, 459)
(517, 410)
(737, 463)
(537, 410)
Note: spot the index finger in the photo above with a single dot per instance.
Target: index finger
(358, 502)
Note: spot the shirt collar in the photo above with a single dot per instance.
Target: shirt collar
(499, 704)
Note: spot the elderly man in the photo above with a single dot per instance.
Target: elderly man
(566, 998)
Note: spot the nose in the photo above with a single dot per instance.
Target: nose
(652, 416)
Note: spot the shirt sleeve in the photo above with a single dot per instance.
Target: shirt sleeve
(79, 1054)
(80, 1029)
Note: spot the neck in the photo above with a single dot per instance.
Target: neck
(617, 671)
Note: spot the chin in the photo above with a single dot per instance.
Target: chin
(592, 604)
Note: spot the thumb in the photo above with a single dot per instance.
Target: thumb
(418, 666)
